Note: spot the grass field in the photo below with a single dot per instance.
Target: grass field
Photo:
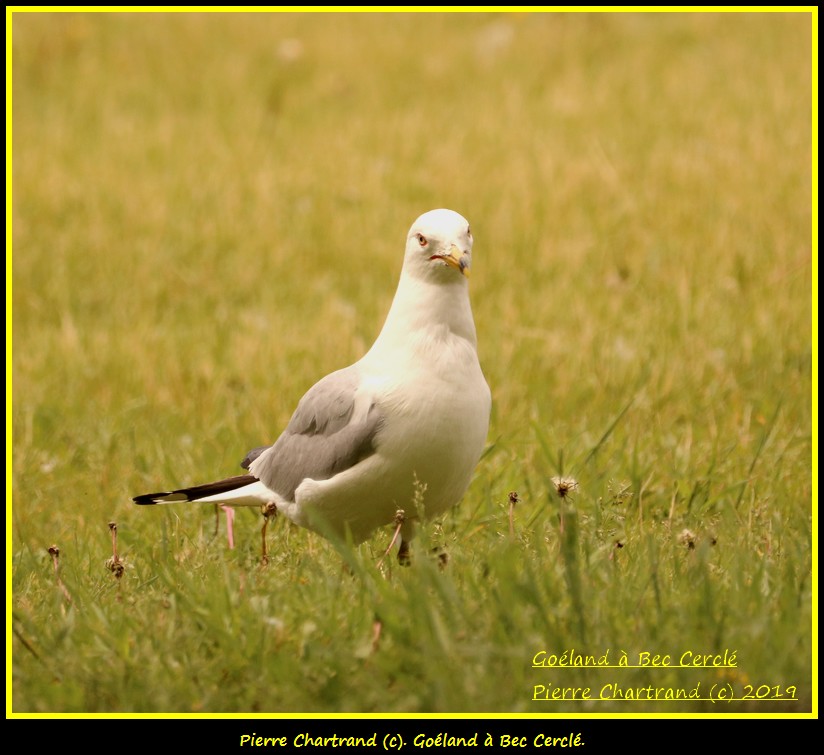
(209, 214)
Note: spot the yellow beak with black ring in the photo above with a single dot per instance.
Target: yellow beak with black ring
(455, 258)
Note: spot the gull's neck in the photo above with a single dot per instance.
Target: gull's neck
(423, 310)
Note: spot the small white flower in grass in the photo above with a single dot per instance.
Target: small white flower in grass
(564, 486)
(687, 537)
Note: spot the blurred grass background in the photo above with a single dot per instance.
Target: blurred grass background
(209, 213)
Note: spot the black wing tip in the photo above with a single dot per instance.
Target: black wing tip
(148, 499)
(196, 492)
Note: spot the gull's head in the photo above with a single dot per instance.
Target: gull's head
(439, 246)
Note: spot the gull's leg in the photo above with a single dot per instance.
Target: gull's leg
(230, 518)
(268, 510)
(407, 533)
(400, 518)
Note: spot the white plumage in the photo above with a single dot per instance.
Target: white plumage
(411, 416)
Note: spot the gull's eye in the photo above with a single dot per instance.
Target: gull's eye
(468, 232)
(421, 239)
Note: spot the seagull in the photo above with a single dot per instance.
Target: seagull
(394, 437)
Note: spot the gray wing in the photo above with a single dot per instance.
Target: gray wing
(323, 438)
